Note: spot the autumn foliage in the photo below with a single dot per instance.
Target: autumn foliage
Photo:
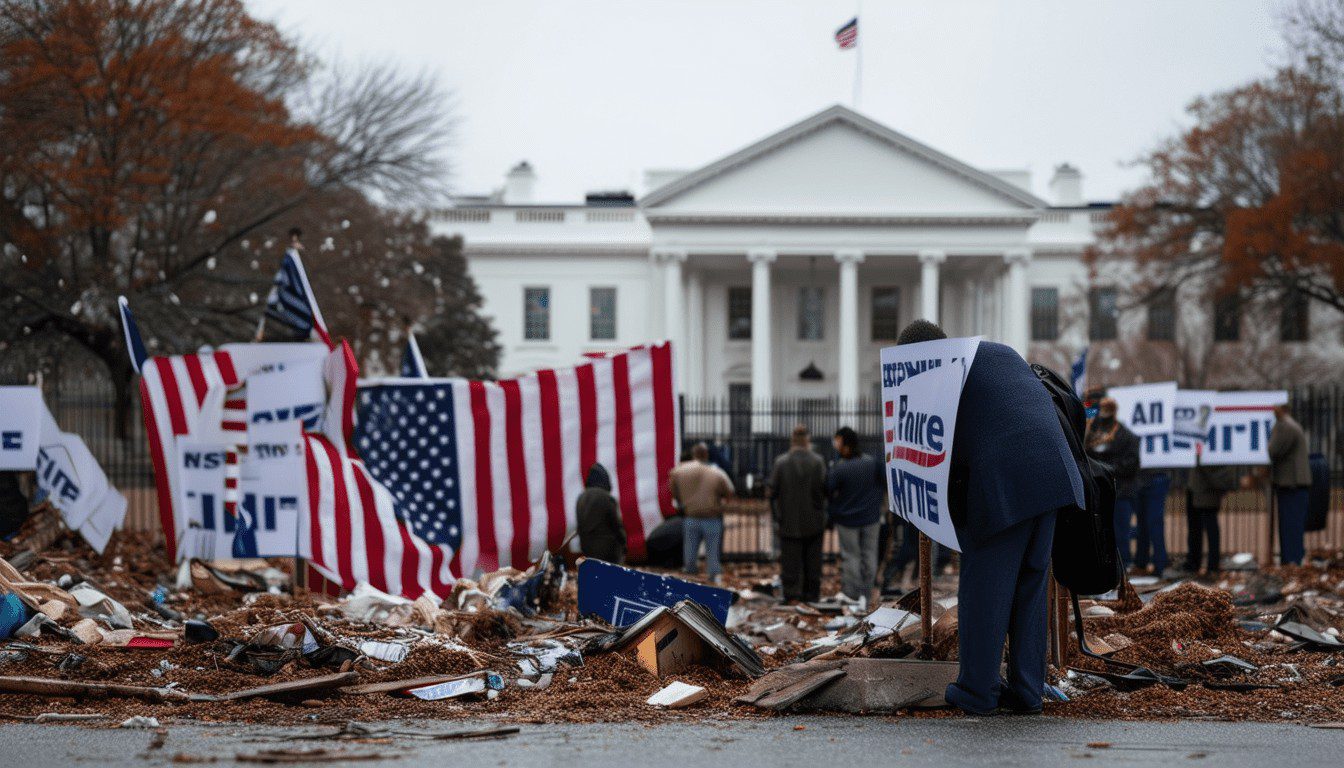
(1250, 199)
(160, 148)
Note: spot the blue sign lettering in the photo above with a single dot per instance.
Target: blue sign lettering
(11, 441)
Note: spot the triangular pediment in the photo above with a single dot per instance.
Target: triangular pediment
(839, 162)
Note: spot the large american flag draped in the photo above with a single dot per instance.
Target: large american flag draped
(480, 475)
(413, 483)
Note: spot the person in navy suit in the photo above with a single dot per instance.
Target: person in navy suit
(1011, 471)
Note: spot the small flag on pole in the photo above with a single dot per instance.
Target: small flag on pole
(847, 36)
(292, 304)
(135, 346)
(412, 362)
(1078, 375)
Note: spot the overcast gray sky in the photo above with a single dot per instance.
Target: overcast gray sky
(593, 92)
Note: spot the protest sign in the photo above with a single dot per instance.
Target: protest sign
(70, 476)
(1239, 427)
(200, 469)
(921, 392)
(271, 498)
(290, 391)
(1145, 408)
(1192, 414)
(1170, 451)
(21, 410)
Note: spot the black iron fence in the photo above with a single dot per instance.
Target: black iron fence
(744, 438)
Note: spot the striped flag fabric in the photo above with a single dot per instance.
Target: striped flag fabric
(444, 478)
(203, 397)
(1078, 374)
(291, 304)
(847, 36)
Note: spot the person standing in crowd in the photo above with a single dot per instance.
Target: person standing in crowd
(1208, 486)
(700, 489)
(1012, 470)
(598, 518)
(1111, 443)
(1150, 512)
(854, 488)
(1290, 472)
(797, 491)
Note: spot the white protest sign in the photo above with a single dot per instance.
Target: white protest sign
(1145, 408)
(273, 491)
(200, 470)
(921, 392)
(1193, 413)
(289, 391)
(98, 528)
(21, 410)
(1239, 427)
(71, 477)
(1171, 451)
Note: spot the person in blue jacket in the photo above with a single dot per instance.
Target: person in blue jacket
(1011, 471)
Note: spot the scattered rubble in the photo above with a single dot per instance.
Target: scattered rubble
(130, 637)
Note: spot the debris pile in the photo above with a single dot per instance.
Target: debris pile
(128, 637)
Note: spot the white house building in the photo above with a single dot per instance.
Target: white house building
(782, 269)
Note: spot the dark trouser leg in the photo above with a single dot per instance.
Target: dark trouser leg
(812, 568)
(1027, 626)
(985, 597)
(1292, 524)
(1155, 516)
(1124, 513)
(907, 552)
(1210, 520)
(1194, 535)
(791, 567)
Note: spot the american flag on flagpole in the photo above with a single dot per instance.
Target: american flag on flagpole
(291, 303)
(443, 478)
(847, 36)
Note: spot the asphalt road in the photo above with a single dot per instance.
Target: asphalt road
(826, 742)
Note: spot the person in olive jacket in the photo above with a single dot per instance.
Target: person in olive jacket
(1290, 471)
(1207, 487)
(797, 491)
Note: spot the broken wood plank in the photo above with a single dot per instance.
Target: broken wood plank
(41, 686)
(885, 685)
(792, 694)
(396, 686)
(787, 677)
(285, 689)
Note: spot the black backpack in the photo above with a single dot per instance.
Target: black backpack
(1086, 558)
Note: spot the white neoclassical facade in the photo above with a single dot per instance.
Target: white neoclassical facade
(782, 269)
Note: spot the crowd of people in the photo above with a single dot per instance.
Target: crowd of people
(1025, 473)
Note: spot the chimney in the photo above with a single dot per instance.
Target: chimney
(518, 184)
(1066, 186)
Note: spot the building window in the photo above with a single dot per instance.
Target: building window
(1044, 314)
(1227, 318)
(811, 310)
(1162, 316)
(886, 323)
(1103, 306)
(1293, 318)
(602, 314)
(739, 409)
(537, 314)
(739, 313)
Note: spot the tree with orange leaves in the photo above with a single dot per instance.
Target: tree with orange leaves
(143, 142)
(1250, 199)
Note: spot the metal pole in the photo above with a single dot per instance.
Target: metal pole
(926, 593)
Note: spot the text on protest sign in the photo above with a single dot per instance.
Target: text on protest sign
(1145, 408)
(21, 410)
(921, 392)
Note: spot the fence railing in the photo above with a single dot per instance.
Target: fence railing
(745, 438)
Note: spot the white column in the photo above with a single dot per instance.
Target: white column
(693, 374)
(1017, 301)
(848, 373)
(929, 263)
(674, 318)
(762, 369)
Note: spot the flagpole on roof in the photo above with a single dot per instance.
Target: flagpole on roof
(858, 60)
